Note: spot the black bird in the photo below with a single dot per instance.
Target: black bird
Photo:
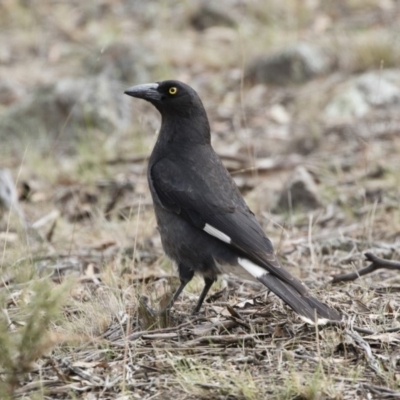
(205, 225)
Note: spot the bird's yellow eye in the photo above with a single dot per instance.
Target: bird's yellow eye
(172, 90)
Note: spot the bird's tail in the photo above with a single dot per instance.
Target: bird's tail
(307, 307)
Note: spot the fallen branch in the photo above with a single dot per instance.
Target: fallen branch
(376, 263)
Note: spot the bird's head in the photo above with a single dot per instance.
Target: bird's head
(171, 98)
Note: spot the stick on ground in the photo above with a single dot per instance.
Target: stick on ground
(376, 263)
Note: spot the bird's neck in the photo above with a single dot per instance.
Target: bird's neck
(188, 130)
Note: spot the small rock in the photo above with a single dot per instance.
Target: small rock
(300, 192)
(62, 111)
(380, 88)
(8, 194)
(279, 114)
(350, 103)
(296, 64)
(9, 92)
(358, 96)
(209, 15)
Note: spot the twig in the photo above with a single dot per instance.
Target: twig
(382, 392)
(372, 362)
(153, 333)
(365, 331)
(376, 263)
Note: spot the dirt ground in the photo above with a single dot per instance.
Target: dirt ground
(309, 88)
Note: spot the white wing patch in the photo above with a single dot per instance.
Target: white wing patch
(216, 233)
(253, 269)
(320, 321)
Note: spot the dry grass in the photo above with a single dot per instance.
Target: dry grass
(78, 297)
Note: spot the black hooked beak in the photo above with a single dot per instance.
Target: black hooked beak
(147, 91)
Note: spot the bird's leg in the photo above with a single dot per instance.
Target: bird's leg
(185, 276)
(208, 282)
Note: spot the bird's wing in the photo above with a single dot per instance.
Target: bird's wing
(211, 202)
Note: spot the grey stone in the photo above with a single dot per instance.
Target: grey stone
(299, 192)
(8, 194)
(10, 92)
(63, 111)
(296, 64)
(209, 15)
(358, 96)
